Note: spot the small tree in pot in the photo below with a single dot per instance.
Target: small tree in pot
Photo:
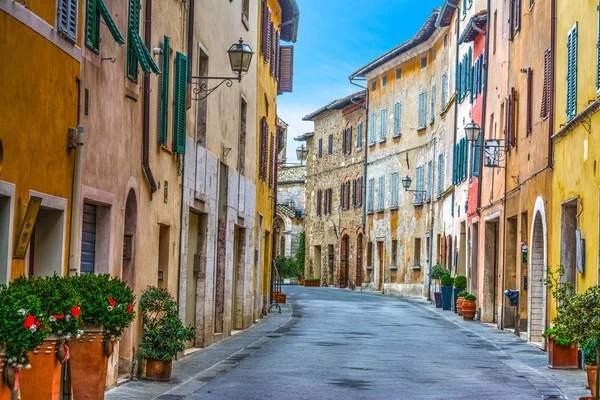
(164, 333)
(436, 273)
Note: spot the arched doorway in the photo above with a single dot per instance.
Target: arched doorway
(359, 260)
(344, 256)
(538, 257)
(126, 350)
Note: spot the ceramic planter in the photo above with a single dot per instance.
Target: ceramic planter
(562, 357)
(446, 297)
(89, 363)
(459, 303)
(4, 389)
(438, 299)
(157, 370)
(312, 283)
(591, 376)
(42, 380)
(468, 310)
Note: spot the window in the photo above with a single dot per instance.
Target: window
(241, 162)
(511, 19)
(370, 254)
(372, 123)
(444, 94)
(384, 81)
(419, 194)
(347, 140)
(517, 15)
(395, 180)
(373, 86)
(434, 54)
(423, 62)
(545, 112)
(529, 101)
(359, 134)
(326, 202)
(319, 202)
(381, 194)
(320, 148)
(383, 126)
(417, 254)
(495, 31)
(398, 73)
(422, 110)
(264, 138)
(137, 52)
(358, 192)
(180, 103)
(440, 171)
(163, 90)
(371, 195)
(330, 144)
(394, 255)
(343, 196)
(245, 12)
(266, 32)
(67, 19)
(460, 161)
(429, 190)
(397, 119)
(445, 40)
(572, 73)
(272, 158)
(432, 116)
(96, 10)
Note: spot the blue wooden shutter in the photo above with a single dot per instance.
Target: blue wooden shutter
(478, 155)
(440, 174)
(371, 194)
(372, 128)
(164, 92)
(381, 193)
(422, 107)
(397, 119)
(432, 117)
(180, 103)
(429, 181)
(394, 189)
(359, 135)
(67, 19)
(383, 125)
(444, 93)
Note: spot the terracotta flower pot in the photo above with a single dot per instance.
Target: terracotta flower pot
(591, 376)
(89, 363)
(562, 357)
(4, 389)
(157, 370)
(312, 283)
(468, 310)
(42, 380)
(459, 303)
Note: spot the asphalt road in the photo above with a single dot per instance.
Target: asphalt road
(350, 345)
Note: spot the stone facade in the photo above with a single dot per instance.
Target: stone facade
(407, 138)
(291, 208)
(335, 166)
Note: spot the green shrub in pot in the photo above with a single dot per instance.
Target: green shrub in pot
(446, 280)
(460, 282)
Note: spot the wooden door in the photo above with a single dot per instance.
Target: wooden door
(380, 253)
(344, 250)
(359, 261)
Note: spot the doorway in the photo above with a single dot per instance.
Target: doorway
(239, 266)
(461, 267)
(568, 241)
(510, 271)
(317, 262)
(380, 269)
(46, 243)
(359, 261)
(537, 293)
(331, 263)
(474, 273)
(344, 255)
(163, 256)
(5, 238)
(489, 312)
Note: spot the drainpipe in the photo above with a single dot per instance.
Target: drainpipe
(76, 202)
(146, 109)
(366, 149)
(552, 80)
(432, 222)
(456, 78)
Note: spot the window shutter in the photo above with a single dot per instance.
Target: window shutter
(272, 49)
(180, 103)
(343, 141)
(277, 55)
(92, 26)
(330, 144)
(440, 174)
(517, 14)
(547, 75)
(67, 19)
(371, 194)
(359, 135)
(429, 181)
(349, 140)
(511, 20)
(529, 101)
(383, 125)
(572, 73)
(513, 133)
(271, 157)
(477, 158)
(266, 14)
(419, 184)
(432, 117)
(133, 27)
(342, 186)
(362, 185)
(444, 93)
(465, 156)
(372, 128)
(320, 148)
(269, 31)
(397, 119)
(286, 69)
(394, 189)
(354, 193)
(110, 23)
(319, 202)
(381, 193)
(164, 93)
(422, 112)
(263, 148)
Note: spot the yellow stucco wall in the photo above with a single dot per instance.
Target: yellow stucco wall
(266, 107)
(39, 103)
(576, 152)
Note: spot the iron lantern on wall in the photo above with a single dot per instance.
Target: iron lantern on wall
(302, 153)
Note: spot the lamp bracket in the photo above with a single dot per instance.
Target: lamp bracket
(200, 89)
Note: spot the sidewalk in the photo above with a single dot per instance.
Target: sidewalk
(194, 371)
(528, 361)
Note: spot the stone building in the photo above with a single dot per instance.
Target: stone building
(291, 207)
(406, 139)
(334, 192)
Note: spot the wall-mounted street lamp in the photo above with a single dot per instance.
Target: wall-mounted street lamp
(406, 182)
(240, 56)
(302, 153)
(494, 149)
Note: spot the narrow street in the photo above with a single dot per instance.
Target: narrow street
(350, 345)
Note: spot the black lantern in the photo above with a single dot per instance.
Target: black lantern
(302, 153)
(472, 130)
(240, 56)
(406, 181)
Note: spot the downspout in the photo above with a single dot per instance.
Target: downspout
(432, 221)
(366, 149)
(456, 78)
(483, 108)
(146, 109)
(76, 202)
(552, 80)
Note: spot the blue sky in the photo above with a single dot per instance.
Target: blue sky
(335, 38)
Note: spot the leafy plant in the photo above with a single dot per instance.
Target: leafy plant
(437, 271)
(463, 293)
(164, 333)
(589, 352)
(460, 282)
(300, 254)
(286, 267)
(471, 297)
(446, 280)
(552, 333)
(105, 302)
(23, 324)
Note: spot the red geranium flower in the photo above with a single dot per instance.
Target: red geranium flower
(29, 321)
(112, 302)
(38, 323)
(129, 308)
(59, 316)
(75, 311)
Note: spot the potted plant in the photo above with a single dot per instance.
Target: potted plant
(60, 303)
(23, 327)
(591, 363)
(446, 282)
(436, 273)
(107, 308)
(562, 352)
(164, 333)
(469, 307)
(460, 300)
(460, 284)
(312, 282)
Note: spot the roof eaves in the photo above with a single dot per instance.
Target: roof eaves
(446, 12)
(474, 27)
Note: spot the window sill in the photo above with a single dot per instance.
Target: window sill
(369, 211)
(380, 210)
(369, 268)
(397, 136)
(420, 204)
(415, 267)
(381, 140)
(421, 128)
(372, 144)
(166, 149)
(393, 267)
(393, 208)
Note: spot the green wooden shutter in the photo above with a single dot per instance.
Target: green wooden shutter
(110, 23)
(572, 73)
(180, 103)
(92, 26)
(164, 93)
(133, 27)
